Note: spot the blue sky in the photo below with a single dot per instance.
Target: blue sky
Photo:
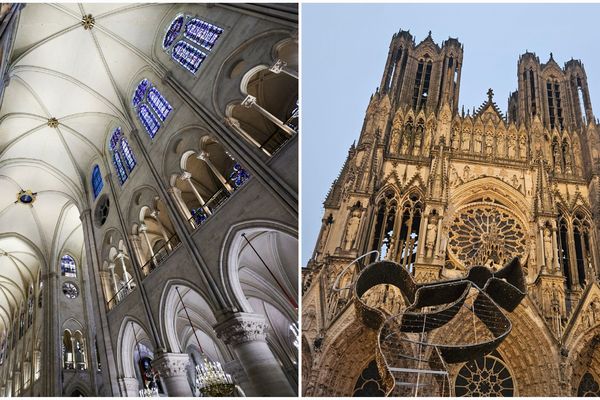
(344, 49)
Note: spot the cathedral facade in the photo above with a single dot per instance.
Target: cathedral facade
(437, 191)
(148, 199)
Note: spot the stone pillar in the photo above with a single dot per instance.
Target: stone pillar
(179, 203)
(129, 387)
(113, 279)
(235, 125)
(555, 252)
(163, 231)
(186, 176)
(172, 368)
(205, 156)
(245, 333)
(136, 244)
(250, 102)
(144, 229)
(126, 276)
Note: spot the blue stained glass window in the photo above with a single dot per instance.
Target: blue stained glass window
(148, 120)
(188, 56)
(202, 33)
(97, 183)
(119, 167)
(129, 158)
(173, 31)
(159, 104)
(239, 176)
(140, 91)
(114, 139)
(67, 266)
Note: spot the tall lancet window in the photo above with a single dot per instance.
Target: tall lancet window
(554, 105)
(151, 107)
(187, 37)
(421, 88)
(532, 92)
(563, 250)
(97, 183)
(122, 155)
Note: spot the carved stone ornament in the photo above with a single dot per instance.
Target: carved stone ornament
(171, 364)
(242, 328)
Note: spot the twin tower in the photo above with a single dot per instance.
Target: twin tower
(426, 76)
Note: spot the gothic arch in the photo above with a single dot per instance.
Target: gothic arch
(126, 343)
(201, 312)
(255, 52)
(229, 265)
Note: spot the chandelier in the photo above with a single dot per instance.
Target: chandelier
(211, 379)
(147, 392)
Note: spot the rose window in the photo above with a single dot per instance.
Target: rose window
(486, 234)
(484, 377)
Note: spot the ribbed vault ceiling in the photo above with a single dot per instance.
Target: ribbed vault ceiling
(83, 78)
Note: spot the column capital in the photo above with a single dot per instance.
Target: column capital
(249, 101)
(241, 328)
(142, 227)
(185, 175)
(87, 213)
(278, 66)
(203, 155)
(170, 365)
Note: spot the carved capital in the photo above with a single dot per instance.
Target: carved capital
(278, 66)
(203, 155)
(232, 122)
(185, 175)
(170, 365)
(249, 101)
(242, 328)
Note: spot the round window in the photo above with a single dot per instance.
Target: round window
(101, 212)
(70, 290)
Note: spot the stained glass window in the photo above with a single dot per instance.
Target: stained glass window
(202, 33)
(114, 139)
(173, 31)
(129, 158)
(148, 120)
(158, 109)
(119, 167)
(196, 33)
(159, 104)
(140, 92)
(97, 183)
(67, 266)
(188, 56)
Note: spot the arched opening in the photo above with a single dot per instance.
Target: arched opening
(209, 177)
(268, 116)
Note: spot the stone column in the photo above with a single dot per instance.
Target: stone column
(186, 176)
(250, 102)
(113, 280)
(172, 368)
(126, 276)
(205, 156)
(235, 125)
(281, 66)
(245, 333)
(163, 231)
(129, 387)
(136, 244)
(144, 229)
(555, 252)
(179, 203)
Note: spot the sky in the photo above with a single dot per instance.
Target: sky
(344, 50)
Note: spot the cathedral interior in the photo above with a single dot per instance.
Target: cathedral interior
(148, 199)
(478, 228)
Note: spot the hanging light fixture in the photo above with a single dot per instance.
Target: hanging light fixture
(211, 379)
(150, 389)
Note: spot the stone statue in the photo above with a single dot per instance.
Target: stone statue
(511, 147)
(395, 139)
(478, 139)
(489, 145)
(548, 249)
(453, 177)
(352, 230)
(466, 145)
(523, 147)
(430, 238)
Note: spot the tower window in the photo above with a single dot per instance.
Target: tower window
(532, 92)
(182, 43)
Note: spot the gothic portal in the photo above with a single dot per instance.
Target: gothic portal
(148, 199)
(438, 191)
